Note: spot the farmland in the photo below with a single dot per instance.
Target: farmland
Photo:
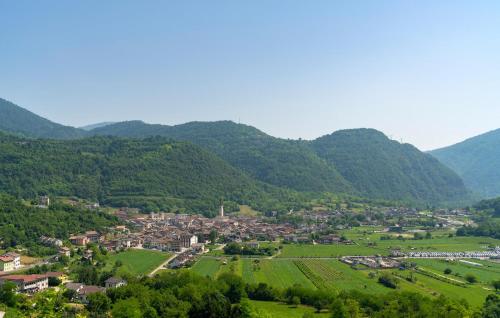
(331, 274)
(137, 262)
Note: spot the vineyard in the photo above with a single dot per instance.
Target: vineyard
(318, 272)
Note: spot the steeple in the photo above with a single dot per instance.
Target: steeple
(221, 209)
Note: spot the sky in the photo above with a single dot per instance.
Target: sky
(423, 72)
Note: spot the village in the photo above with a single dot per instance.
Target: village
(189, 237)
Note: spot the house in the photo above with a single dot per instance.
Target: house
(188, 240)
(27, 283)
(79, 240)
(65, 251)
(252, 244)
(43, 201)
(115, 282)
(6, 263)
(93, 236)
(82, 291)
(16, 257)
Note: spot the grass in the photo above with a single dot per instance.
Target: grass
(488, 272)
(278, 310)
(207, 267)
(137, 262)
(326, 250)
(246, 210)
(275, 272)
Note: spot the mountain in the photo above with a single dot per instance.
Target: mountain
(284, 163)
(362, 162)
(358, 161)
(152, 173)
(17, 120)
(477, 161)
(94, 126)
(379, 167)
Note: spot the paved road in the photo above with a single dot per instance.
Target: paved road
(171, 258)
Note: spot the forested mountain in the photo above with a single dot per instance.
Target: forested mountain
(379, 167)
(150, 173)
(17, 120)
(284, 163)
(477, 161)
(362, 161)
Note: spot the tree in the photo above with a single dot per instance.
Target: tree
(491, 308)
(127, 308)
(388, 281)
(54, 281)
(235, 287)
(8, 294)
(448, 271)
(471, 278)
(212, 305)
(295, 301)
(213, 236)
(496, 284)
(338, 309)
(98, 304)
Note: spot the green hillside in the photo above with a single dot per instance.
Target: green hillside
(361, 161)
(151, 173)
(284, 163)
(379, 167)
(477, 161)
(14, 119)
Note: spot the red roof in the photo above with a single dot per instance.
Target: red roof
(23, 278)
(5, 258)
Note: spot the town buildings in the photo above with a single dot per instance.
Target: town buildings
(27, 283)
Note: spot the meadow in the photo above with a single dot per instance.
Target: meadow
(137, 262)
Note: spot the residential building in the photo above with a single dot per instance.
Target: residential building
(115, 282)
(27, 283)
(6, 263)
(80, 240)
(16, 257)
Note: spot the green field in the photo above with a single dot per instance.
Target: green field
(137, 262)
(330, 250)
(275, 272)
(335, 275)
(486, 273)
(277, 310)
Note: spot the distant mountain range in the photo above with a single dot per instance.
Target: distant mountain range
(477, 161)
(98, 125)
(361, 162)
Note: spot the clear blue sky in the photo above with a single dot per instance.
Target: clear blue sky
(426, 72)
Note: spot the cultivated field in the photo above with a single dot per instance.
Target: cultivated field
(137, 261)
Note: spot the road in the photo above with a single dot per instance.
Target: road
(171, 258)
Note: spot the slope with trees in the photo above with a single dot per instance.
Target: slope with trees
(477, 161)
(15, 119)
(153, 173)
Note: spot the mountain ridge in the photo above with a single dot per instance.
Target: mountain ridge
(344, 162)
(476, 161)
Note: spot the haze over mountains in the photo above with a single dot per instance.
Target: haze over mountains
(477, 161)
(362, 162)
